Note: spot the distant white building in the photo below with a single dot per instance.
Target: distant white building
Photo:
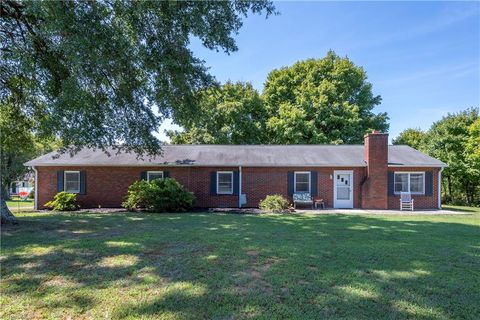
(25, 184)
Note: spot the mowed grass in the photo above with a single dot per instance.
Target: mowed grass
(15, 204)
(216, 266)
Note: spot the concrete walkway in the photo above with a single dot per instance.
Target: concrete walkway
(382, 212)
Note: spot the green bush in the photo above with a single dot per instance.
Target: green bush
(274, 203)
(63, 201)
(159, 195)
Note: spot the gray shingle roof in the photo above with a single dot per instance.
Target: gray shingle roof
(241, 155)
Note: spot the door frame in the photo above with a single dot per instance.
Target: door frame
(335, 172)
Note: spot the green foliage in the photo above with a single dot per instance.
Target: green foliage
(274, 203)
(31, 195)
(321, 101)
(472, 148)
(411, 137)
(63, 201)
(455, 139)
(17, 144)
(159, 195)
(230, 114)
(313, 101)
(90, 72)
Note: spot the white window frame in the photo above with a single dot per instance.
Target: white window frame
(408, 181)
(218, 181)
(154, 172)
(309, 181)
(65, 181)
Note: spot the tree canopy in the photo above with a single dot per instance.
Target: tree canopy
(314, 101)
(321, 101)
(100, 73)
(104, 74)
(411, 137)
(230, 114)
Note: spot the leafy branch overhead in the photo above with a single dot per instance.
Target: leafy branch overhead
(96, 73)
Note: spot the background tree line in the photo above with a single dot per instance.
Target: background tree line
(326, 100)
(455, 139)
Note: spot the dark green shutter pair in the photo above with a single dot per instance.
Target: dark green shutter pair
(313, 183)
(213, 182)
(83, 182)
(428, 183)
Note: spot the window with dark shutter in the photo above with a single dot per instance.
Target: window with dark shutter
(71, 181)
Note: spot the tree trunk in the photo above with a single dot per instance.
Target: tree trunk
(7, 216)
(449, 181)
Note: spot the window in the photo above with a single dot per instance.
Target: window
(152, 175)
(413, 182)
(224, 182)
(302, 182)
(71, 181)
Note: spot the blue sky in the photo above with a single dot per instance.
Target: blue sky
(423, 58)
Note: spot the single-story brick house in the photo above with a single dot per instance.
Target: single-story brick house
(345, 176)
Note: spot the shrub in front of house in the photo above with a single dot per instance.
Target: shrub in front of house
(63, 201)
(159, 195)
(274, 203)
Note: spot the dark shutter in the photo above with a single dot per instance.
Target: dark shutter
(391, 184)
(236, 177)
(59, 181)
(429, 183)
(314, 185)
(213, 183)
(290, 182)
(143, 175)
(83, 183)
(166, 174)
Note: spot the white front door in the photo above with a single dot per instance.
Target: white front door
(343, 189)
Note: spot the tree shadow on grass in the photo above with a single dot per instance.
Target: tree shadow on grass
(228, 266)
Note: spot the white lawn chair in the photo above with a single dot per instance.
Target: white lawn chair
(406, 201)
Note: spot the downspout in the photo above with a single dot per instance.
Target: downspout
(35, 201)
(239, 186)
(439, 182)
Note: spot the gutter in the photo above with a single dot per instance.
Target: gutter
(35, 206)
(255, 165)
(240, 186)
(440, 188)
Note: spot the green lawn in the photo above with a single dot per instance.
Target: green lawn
(216, 266)
(15, 204)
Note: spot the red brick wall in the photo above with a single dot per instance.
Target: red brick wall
(107, 186)
(420, 201)
(375, 188)
(257, 183)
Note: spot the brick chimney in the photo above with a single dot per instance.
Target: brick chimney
(375, 186)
